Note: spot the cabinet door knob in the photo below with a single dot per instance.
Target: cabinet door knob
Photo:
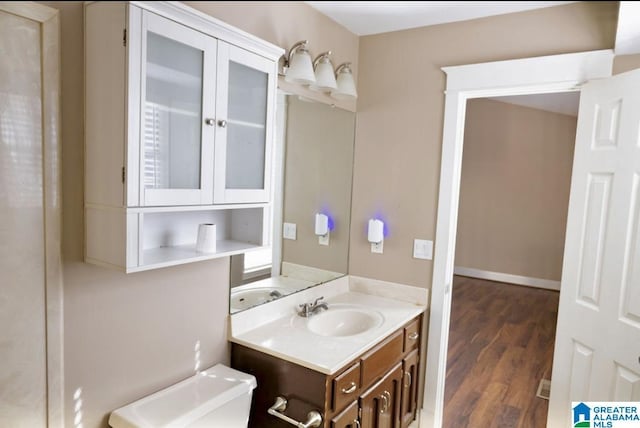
(352, 388)
(356, 423)
(414, 335)
(209, 121)
(222, 123)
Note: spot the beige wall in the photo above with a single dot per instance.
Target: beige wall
(285, 23)
(129, 335)
(400, 113)
(318, 170)
(622, 63)
(514, 190)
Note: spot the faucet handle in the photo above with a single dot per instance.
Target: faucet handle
(317, 300)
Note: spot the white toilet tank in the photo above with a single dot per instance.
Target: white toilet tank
(217, 397)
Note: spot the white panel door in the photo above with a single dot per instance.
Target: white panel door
(23, 375)
(597, 346)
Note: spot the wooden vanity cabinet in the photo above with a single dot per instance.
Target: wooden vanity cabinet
(377, 389)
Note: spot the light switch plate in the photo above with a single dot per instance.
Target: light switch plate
(422, 249)
(289, 231)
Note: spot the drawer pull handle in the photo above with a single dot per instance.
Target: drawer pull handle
(385, 402)
(407, 383)
(351, 389)
(314, 418)
(356, 423)
(414, 335)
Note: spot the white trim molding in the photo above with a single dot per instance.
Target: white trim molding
(557, 73)
(508, 278)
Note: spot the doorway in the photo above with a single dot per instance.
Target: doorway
(516, 77)
(514, 197)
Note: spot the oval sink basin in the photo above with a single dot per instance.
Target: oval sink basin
(341, 321)
(245, 299)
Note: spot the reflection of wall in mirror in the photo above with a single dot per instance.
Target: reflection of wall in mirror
(318, 173)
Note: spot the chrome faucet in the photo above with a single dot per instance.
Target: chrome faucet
(308, 309)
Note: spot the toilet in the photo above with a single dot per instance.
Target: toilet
(217, 397)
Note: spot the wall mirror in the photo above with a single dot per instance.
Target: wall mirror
(314, 169)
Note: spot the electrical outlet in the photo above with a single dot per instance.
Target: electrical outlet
(422, 249)
(323, 239)
(289, 231)
(377, 248)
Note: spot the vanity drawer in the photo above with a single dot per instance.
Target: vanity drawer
(346, 387)
(412, 335)
(381, 358)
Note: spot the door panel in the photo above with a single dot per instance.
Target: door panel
(630, 302)
(598, 335)
(627, 385)
(593, 236)
(581, 369)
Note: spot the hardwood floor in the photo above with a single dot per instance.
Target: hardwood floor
(500, 346)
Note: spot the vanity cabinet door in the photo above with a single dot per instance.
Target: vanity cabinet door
(244, 129)
(409, 400)
(348, 418)
(177, 111)
(380, 405)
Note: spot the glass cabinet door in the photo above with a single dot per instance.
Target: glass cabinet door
(244, 132)
(177, 114)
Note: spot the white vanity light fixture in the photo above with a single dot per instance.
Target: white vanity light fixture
(346, 89)
(375, 235)
(322, 228)
(298, 67)
(325, 79)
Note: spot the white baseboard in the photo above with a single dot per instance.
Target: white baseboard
(506, 277)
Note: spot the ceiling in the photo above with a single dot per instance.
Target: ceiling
(374, 17)
(562, 102)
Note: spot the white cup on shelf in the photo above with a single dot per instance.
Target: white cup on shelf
(206, 242)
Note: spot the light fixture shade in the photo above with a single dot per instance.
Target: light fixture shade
(300, 69)
(346, 85)
(325, 79)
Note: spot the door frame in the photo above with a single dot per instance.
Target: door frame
(539, 75)
(49, 21)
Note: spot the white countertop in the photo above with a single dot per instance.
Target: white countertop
(289, 339)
